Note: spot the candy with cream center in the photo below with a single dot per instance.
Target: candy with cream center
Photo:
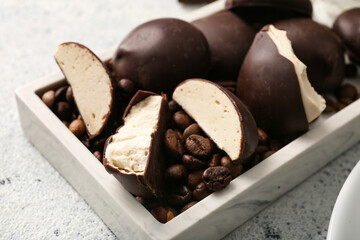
(273, 83)
(221, 115)
(134, 153)
(90, 83)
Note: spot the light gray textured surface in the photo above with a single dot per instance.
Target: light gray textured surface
(35, 201)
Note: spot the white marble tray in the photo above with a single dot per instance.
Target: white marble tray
(213, 217)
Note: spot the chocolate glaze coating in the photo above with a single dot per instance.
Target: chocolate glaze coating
(161, 53)
(347, 27)
(229, 39)
(150, 183)
(319, 49)
(269, 86)
(262, 12)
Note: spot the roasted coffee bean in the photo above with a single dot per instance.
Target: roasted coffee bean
(49, 98)
(69, 95)
(99, 144)
(350, 70)
(85, 140)
(215, 160)
(275, 144)
(173, 106)
(171, 213)
(192, 129)
(179, 195)
(66, 123)
(77, 127)
(160, 213)
(346, 101)
(330, 109)
(187, 206)
(194, 179)
(263, 137)
(340, 106)
(199, 146)
(235, 170)
(330, 105)
(267, 154)
(216, 178)
(176, 173)
(60, 94)
(98, 155)
(201, 191)
(262, 148)
(192, 163)
(127, 86)
(141, 200)
(182, 120)
(163, 214)
(347, 91)
(174, 143)
(64, 110)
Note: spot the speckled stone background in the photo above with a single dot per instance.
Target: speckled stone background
(35, 201)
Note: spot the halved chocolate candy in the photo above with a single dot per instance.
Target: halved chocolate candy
(161, 53)
(274, 85)
(134, 155)
(262, 12)
(319, 49)
(221, 115)
(90, 83)
(229, 39)
(347, 27)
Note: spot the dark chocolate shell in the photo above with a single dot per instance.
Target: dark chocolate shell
(229, 39)
(268, 85)
(347, 27)
(161, 53)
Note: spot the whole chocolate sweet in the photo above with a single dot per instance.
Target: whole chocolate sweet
(262, 12)
(273, 84)
(319, 49)
(347, 27)
(229, 39)
(161, 53)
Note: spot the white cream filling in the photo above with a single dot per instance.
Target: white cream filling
(89, 81)
(214, 112)
(129, 149)
(314, 103)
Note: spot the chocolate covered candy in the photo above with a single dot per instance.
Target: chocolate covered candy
(319, 49)
(262, 12)
(134, 155)
(90, 83)
(221, 115)
(229, 39)
(161, 53)
(347, 27)
(273, 83)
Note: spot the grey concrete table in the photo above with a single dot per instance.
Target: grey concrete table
(35, 201)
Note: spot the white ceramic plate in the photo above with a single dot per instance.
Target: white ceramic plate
(345, 218)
